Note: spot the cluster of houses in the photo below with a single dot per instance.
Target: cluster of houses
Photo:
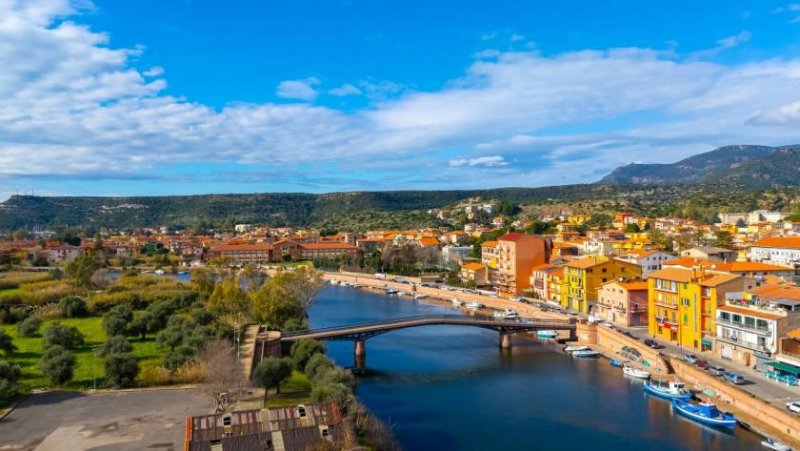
(741, 303)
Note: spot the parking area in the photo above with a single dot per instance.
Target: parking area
(134, 420)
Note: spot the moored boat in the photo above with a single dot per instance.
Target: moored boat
(667, 389)
(419, 296)
(771, 443)
(635, 372)
(474, 305)
(391, 291)
(457, 302)
(547, 334)
(586, 353)
(573, 348)
(617, 363)
(704, 413)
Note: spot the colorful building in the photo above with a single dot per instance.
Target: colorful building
(585, 276)
(623, 303)
(516, 255)
(682, 304)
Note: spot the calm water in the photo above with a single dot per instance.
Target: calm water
(452, 388)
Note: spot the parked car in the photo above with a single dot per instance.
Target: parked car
(652, 343)
(691, 358)
(793, 406)
(716, 370)
(607, 324)
(701, 363)
(734, 378)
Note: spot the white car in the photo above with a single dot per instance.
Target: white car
(793, 406)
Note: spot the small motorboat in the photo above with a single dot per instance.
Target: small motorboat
(509, 314)
(419, 296)
(547, 334)
(573, 348)
(586, 353)
(356, 285)
(392, 291)
(474, 305)
(498, 314)
(159, 272)
(457, 302)
(667, 389)
(617, 363)
(635, 372)
(771, 443)
(704, 413)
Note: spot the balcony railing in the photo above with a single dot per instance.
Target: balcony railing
(755, 329)
(666, 304)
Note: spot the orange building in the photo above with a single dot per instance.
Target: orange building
(516, 255)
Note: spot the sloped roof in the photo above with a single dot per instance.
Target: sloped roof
(789, 242)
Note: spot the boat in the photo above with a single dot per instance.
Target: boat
(457, 302)
(356, 285)
(419, 296)
(704, 413)
(586, 353)
(547, 334)
(573, 348)
(667, 389)
(391, 291)
(617, 363)
(771, 443)
(498, 314)
(159, 272)
(474, 305)
(635, 372)
(510, 314)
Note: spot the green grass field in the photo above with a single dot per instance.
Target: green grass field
(294, 391)
(88, 367)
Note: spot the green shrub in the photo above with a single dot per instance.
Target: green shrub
(51, 291)
(68, 337)
(72, 307)
(57, 364)
(9, 375)
(121, 369)
(29, 327)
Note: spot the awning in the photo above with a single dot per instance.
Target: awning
(785, 367)
(707, 341)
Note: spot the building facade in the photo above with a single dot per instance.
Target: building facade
(584, 277)
(623, 303)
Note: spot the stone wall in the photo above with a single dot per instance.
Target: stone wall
(612, 341)
(774, 419)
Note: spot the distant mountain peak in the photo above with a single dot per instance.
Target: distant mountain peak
(742, 164)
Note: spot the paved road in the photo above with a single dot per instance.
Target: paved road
(757, 384)
(127, 421)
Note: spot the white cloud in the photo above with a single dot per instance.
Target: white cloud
(298, 89)
(724, 44)
(154, 71)
(488, 162)
(345, 90)
(71, 105)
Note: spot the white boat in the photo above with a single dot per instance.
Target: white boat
(510, 314)
(547, 334)
(498, 314)
(391, 291)
(419, 296)
(586, 353)
(159, 272)
(573, 348)
(771, 443)
(635, 372)
(356, 285)
(474, 305)
(667, 389)
(457, 302)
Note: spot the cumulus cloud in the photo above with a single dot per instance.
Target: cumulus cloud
(489, 162)
(298, 89)
(73, 106)
(345, 90)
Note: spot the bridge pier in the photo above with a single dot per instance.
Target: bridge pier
(360, 348)
(505, 340)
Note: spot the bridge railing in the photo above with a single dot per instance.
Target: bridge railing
(533, 321)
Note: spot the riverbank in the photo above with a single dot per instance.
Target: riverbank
(758, 413)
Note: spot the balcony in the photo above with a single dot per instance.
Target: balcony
(745, 344)
(741, 326)
(667, 304)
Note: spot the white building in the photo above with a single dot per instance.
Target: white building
(777, 250)
(455, 254)
(648, 260)
(243, 228)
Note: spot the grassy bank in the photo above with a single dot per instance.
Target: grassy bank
(29, 353)
(294, 391)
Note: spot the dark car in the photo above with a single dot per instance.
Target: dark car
(702, 364)
(652, 343)
(629, 335)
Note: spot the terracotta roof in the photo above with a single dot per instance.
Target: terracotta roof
(241, 247)
(687, 262)
(789, 242)
(489, 243)
(638, 285)
(473, 266)
(587, 262)
(749, 312)
(428, 242)
(320, 246)
(718, 279)
(771, 292)
(513, 236)
(673, 274)
(641, 252)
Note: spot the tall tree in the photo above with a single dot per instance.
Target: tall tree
(229, 296)
(271, 372)
(6, 343)
(57, 364)
(82, 269)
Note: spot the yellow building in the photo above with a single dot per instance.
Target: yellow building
(578, 219)
(556, 291)
(682, 304)
(582, 279)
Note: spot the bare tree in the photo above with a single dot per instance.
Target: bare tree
(223, 375)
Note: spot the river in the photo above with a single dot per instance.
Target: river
(452, 388)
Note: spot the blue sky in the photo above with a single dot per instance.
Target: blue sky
(153, 97)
